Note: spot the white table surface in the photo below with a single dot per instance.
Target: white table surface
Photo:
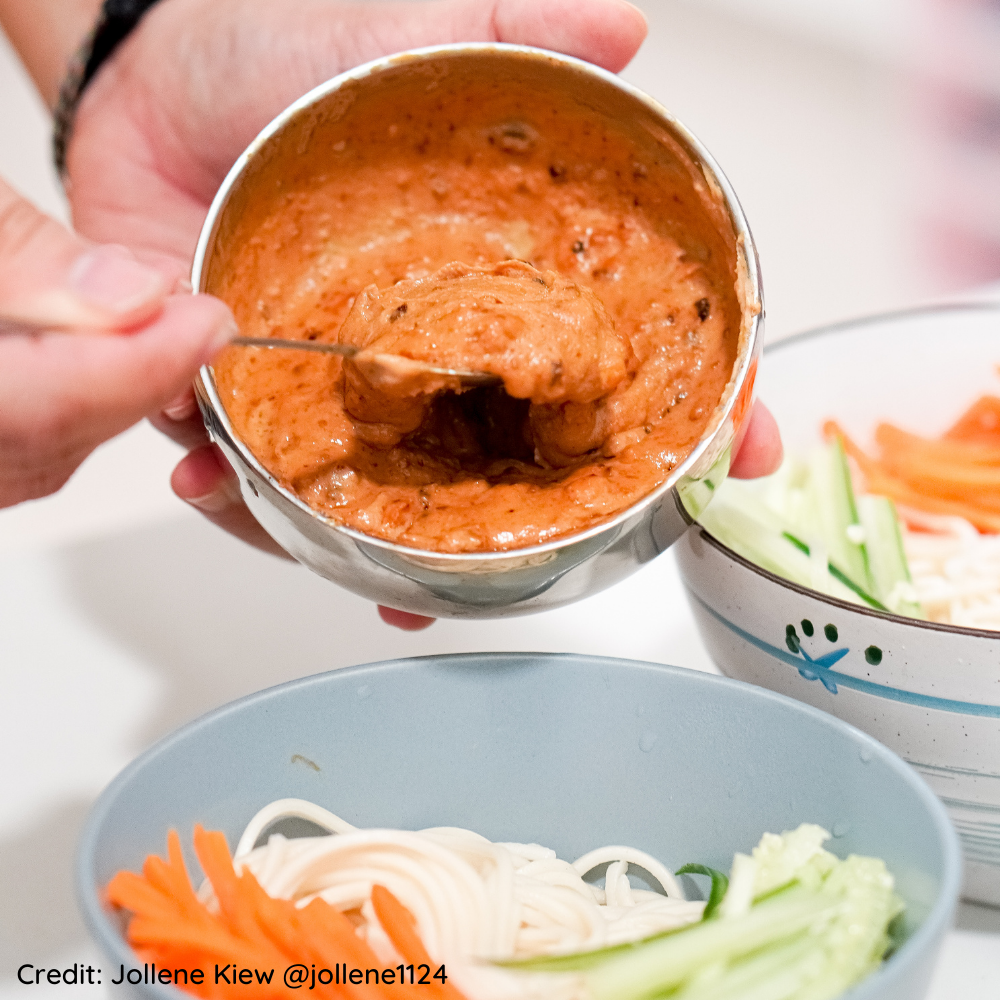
(123, 615)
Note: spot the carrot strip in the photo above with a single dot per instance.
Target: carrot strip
(976, 486)
(893, 441)
(290, 929)
(887, 486)
(133, 892)
(972, 498)
(244, 922)
(171, 876)
(979, 423)
(331, 937)
(400, 925)
(172, 928)
(213, 853)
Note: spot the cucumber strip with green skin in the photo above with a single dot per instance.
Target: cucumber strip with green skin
(796, 508)
(720, 883)
(887, 557)
(758, 534)
(666, 964)
(580, 961)
(832, 496)
(808, 938)
(837, 575)
(772, 974)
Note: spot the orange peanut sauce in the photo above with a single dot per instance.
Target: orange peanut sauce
(614, 345)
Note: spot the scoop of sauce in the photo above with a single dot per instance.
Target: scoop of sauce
(482, 229)
(549, 340)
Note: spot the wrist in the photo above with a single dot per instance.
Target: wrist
(45, 34)
(116, 19)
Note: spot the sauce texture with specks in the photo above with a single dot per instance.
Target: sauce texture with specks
(471, 180)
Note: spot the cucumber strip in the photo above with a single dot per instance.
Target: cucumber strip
(832, 499)
(666, 964)
(886, 556)
(774, 974)
(720, 883)
(580, 961)
(816, 925)
(838, 575)
(758, 534)
(805, 524)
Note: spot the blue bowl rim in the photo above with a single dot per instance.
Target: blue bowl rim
(936, 922)
(847, 326)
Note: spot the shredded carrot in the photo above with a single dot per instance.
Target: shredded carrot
(398, 923)
(253, 933)
(892, 440)
(980, 423)
(956, 475)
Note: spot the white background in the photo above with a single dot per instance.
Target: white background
(122, 615)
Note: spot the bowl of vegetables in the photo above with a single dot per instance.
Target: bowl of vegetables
(519, 825)
(864, 577)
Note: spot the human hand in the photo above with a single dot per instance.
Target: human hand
(166, 117)
(132, 346)
(161, 124)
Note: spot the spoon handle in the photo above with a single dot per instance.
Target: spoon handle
(20, 324)
(347, 350)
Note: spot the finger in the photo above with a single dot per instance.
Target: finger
(605, 32)
(760, 451)
(175, 272)
(90, 387)
(180, 420)
(61, 395)
(206, 481)
(48, 274)
(404, 620)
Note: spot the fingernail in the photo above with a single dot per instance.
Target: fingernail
(110, 278)
(182, 407)
(219, 500)
(222, 335)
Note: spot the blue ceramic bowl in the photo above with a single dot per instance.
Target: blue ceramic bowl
(569, 751)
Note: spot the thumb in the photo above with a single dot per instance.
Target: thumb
(49, 275)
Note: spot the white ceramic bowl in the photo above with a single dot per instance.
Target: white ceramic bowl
(929, 692)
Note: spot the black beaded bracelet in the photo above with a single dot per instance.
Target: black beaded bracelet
(117, 19)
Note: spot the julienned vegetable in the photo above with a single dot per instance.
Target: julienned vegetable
(957, 475)
(806, 524)
(172, 928)
(794, 923)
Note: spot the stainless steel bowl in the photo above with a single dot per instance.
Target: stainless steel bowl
(522, 581)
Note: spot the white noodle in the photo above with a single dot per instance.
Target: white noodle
(473, 900)
(955, 569)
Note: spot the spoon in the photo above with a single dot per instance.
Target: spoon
(384, 369)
